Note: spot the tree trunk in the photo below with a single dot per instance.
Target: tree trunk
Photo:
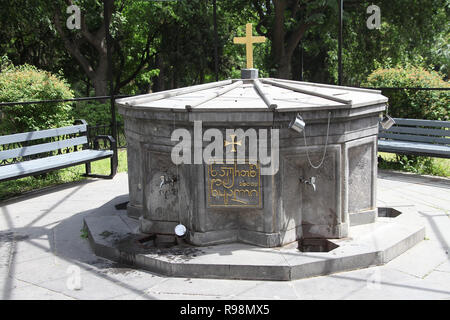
(284, 43)
(99, 77)
(284, 67)
(278, 51)
(100, 86)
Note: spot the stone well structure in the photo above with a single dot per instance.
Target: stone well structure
(297, 202)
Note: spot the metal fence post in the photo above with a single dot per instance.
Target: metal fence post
(216, 41)
(341, 11)
(107, 6)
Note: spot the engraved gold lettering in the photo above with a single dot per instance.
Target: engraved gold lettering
(234, 185)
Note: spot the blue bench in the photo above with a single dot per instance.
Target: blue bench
(38, 152)
(416, 137)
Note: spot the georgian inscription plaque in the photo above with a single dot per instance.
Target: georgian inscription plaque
(234, 185)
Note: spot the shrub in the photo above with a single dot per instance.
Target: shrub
(415, 104)
(27, 83)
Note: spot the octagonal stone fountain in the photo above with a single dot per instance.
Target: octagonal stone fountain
(286, 210)
(246, 218)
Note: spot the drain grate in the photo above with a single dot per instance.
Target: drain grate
(146, 239)
(316, 245)
(388, 212)
(158, 241)
(122, 206)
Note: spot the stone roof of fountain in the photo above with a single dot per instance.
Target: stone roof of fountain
(265, 94)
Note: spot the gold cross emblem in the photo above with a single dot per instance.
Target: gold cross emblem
(232, 142)
(249, 40)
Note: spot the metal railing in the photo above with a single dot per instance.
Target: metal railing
(406, 88)
(2, 104)
(107, 128)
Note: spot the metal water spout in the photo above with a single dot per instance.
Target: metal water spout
(165, 181)
(311, 181)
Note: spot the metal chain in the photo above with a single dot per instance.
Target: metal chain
(178, 179)
(325, 149)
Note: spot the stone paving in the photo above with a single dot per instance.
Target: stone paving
(44, 254)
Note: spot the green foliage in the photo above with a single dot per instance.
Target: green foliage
(159, 45)
(5, 63)
(412, 32)
(415, 164)
(27, 83)
(94, 112)
(415, 104)
(84, 233)
(440, 53)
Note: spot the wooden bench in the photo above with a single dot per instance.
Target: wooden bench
(416, 137)
(38, 152)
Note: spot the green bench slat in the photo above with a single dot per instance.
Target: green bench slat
(418, 131)
(40, 148)
(422, 123)
(40, 165)
(405, 147)
(42, 134)
(410, 137)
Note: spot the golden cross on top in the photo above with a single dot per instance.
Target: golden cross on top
(249, 40)
(233, 142)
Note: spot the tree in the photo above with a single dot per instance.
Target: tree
(158, 42)
(75, 42)
(186, 48)
(159, 45)
(26, 37)
(410, 28)
(132, 34)
(285, 23)
(409, 34)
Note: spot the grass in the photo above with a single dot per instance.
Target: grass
(84, 233)
(17, 187)
(419, 165)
